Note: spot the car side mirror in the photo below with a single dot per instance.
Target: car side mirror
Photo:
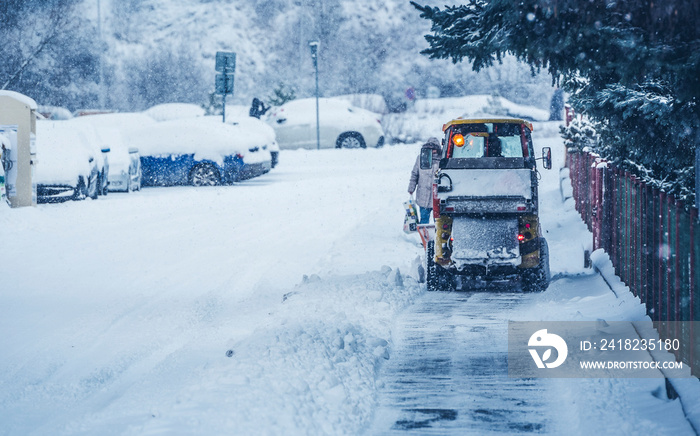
(426, 158)
(106, 150)
(547, 158)
(133, 150)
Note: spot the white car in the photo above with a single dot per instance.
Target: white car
(124, 162)
(341, 125)
(67, 165)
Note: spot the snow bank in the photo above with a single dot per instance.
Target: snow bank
(312, 368)
(418, 123)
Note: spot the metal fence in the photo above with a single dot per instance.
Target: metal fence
(652, 239)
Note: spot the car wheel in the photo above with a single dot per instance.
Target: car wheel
(80, 189)
(93, 187)
(350, 140)
(204, 175)
(103, 184)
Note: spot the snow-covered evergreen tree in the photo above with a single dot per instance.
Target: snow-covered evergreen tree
(630, 65)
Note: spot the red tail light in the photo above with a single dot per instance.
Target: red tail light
(521, 237)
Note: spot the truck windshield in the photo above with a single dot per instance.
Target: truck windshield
(486, 140)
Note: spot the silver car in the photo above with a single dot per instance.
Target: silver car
(125, 170)
(341, 125)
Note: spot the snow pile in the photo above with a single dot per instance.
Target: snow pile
(418, 123)
(54, 112)
(312, 368)
(174, 111)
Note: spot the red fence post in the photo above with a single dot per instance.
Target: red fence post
(693, 297)
(676, 260)
(661, 253)
(634, 284)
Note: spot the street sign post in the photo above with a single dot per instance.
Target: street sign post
(313, 45)
(225, 61)
(223, 83)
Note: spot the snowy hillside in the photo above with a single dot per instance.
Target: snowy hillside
(163, 51)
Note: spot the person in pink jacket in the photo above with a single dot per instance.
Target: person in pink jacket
(422, 180)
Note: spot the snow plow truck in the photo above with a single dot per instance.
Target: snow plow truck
(485, 206)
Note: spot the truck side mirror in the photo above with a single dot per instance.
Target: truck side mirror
(426, 158)
(444, 183)
(547, 158)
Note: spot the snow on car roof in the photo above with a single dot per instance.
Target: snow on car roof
(206, 137)
(174, 111)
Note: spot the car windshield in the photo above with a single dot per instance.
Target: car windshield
(487, 140)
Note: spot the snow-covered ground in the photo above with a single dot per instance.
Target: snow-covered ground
(274, 306)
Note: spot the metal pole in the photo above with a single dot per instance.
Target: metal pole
(318, 129)
(224, 112)
(101, 94)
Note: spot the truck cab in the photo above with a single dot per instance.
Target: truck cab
(485, 205)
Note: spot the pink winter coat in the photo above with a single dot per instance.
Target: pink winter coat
(422, 180)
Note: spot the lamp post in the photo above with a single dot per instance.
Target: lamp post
(313, 45)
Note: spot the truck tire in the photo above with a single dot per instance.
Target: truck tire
(537, 279)
(436, 278)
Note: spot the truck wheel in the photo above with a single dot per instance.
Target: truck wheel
(430, 279)
(537, 279)
(436, 278)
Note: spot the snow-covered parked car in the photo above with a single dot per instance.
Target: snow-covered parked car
(99, 144)
(341, 125)
(67, 167)
(201, 151)
(124, 162)
(253, 124)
